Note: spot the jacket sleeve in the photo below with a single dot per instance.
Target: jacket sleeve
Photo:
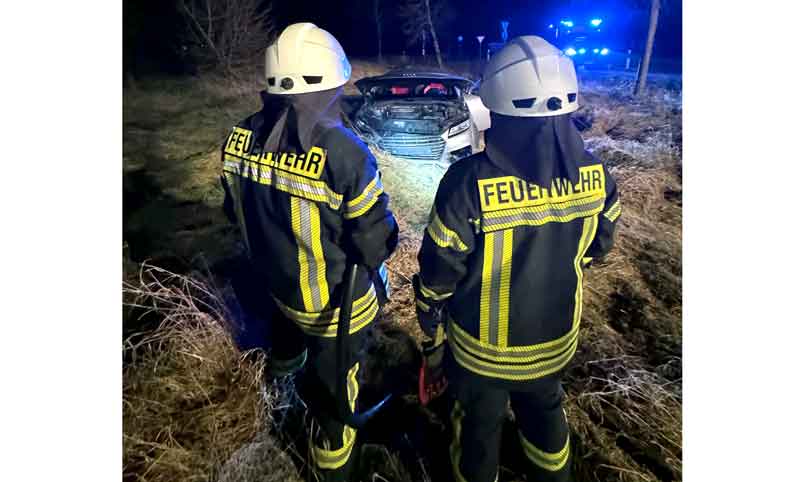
(370, 228)
(228, 204)
(448, 241)
(604, 239)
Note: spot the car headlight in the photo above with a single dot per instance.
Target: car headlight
(458, 128)
(581, 51)
(570, 51)
(604, 51)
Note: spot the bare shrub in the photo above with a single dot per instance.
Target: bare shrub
(232, 33)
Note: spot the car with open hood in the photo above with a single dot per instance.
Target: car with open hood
(426, 115)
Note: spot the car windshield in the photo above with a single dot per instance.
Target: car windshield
(412, 89)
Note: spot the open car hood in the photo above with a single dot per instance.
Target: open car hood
(403, 76)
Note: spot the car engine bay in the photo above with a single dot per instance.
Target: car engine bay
(412, 116)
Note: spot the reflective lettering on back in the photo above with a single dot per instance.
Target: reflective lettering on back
(509, 192)
(238, 141)
(309, 164)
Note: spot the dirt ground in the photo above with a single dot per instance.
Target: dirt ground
(196, 408)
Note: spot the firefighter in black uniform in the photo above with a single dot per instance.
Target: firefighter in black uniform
(502, 257)
(308, 198)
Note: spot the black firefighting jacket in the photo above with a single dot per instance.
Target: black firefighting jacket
(510, 231)
(304, 211)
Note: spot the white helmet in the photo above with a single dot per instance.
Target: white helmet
(530, 78)
(305, 58)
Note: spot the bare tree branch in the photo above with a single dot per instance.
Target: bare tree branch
(420, 18)
(229, 33)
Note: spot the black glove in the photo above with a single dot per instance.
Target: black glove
(430, 313)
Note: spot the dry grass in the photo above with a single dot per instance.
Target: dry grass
(192, 400)
(624, 390)
(194, 405)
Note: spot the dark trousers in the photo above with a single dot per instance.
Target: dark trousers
(478, 415)
(332, 442)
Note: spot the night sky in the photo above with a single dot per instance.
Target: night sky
(151, 27)
(352, 24)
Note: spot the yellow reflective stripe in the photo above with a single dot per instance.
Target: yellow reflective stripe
(321, 282)
(443, 236)
(333, 459)
(526, 362)
(546, 460)
(496, 287)
(326, 316)
(356, 323)
(587, 235)
(423, 306)
(510, 354)
(352, 386)
(302, 254)
(543, 214)
(364, 201)
(586, 261)
(486, 287)
(505, 288)
(523, 372)
(300, 186)
(614, 211)
(306, 230)
(429, 293)
(547, 206)
(457, 415)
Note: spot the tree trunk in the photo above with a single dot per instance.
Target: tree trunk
(641, 82)
(433, 33)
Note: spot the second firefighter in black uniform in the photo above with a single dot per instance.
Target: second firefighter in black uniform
(502, 258)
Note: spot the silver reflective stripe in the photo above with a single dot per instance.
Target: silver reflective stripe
(614, 211)
(313, 267)
(327, 316)
(495, 287)
(310, 258)
(535, 217)
(325, 323)
(281, 180)
(293, 184)
(366, 199)
(512, 354)
(443, 236)
(550, 461)
(494, 305)
(517, 372)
